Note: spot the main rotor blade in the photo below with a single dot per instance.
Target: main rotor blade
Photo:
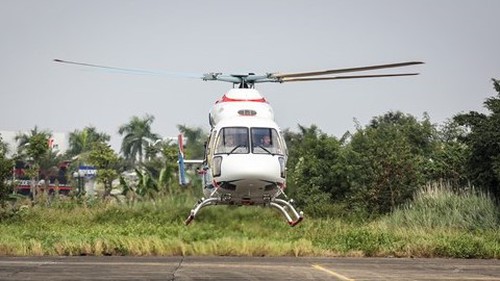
(132, 71)
(344, 70)
(252, 78)
(342, 77)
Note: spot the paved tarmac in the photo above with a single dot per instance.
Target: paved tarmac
(244, 268)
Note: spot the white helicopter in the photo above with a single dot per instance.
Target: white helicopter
(246, 154)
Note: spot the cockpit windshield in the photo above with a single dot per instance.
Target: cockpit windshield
(266, 141)
(232, 140)
(236, 139)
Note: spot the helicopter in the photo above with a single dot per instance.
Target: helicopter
(245, 152)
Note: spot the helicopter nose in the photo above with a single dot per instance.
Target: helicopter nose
(263, 167)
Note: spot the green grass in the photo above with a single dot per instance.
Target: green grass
(147, 228)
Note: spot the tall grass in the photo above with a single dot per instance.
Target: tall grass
(441, 221)
(437, 205)
(78, 227)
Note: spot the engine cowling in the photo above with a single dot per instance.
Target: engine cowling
(240, 102)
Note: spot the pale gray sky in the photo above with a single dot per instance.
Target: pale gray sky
(458, 41)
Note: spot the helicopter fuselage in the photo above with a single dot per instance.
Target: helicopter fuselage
(245, 154)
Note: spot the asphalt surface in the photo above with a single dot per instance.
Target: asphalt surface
(244, 268)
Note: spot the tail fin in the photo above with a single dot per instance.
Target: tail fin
(183, 178)
(182, 168)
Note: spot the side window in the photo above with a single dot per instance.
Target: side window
(211, 140)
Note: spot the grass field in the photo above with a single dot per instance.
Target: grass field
(436, 224)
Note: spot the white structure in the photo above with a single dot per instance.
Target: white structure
(58, 142)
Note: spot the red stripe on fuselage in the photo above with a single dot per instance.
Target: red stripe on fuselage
(226, 99)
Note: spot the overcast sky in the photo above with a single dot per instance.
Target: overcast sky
(458, 40)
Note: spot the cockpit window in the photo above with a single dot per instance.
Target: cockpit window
(266, 141)
(232, 140)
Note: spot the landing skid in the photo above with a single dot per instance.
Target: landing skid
(285, 207)
(202, 203)
(282, 206)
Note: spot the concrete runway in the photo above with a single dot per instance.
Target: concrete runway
(244, 268)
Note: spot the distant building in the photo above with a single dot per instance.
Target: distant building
(58, 142)
(52, 180)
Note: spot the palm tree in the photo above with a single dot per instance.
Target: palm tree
(137, 136)
(23, 139)
(33, 147)
(162, 163)
(82, 141)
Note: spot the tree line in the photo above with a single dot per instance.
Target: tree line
(372, 170)
(380, 166)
